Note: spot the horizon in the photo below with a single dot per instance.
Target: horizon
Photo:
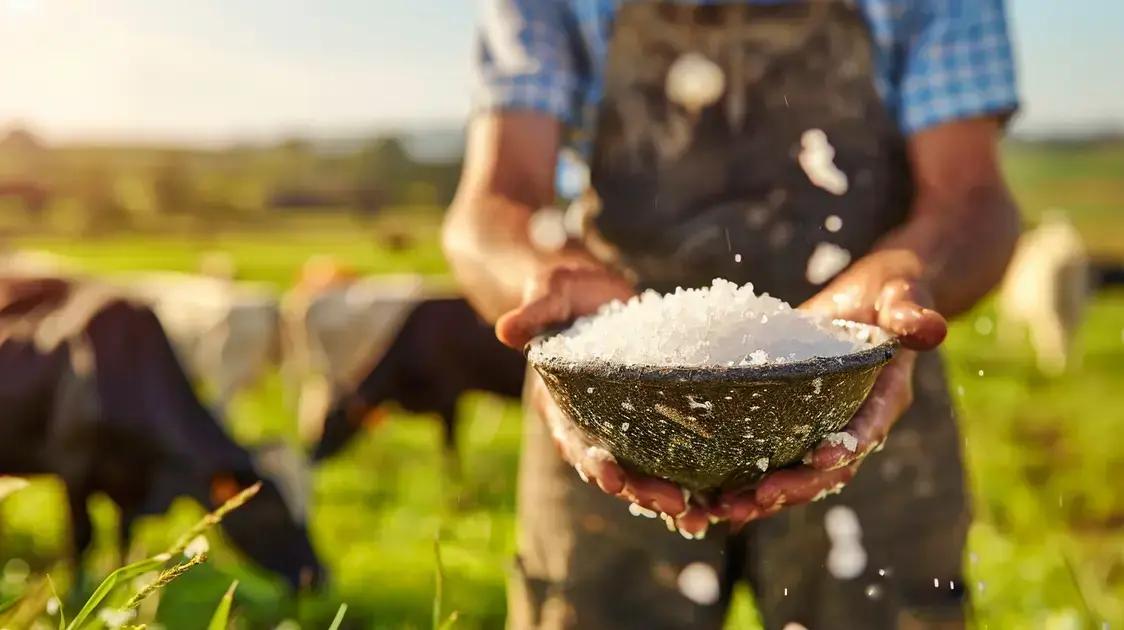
(215, 75)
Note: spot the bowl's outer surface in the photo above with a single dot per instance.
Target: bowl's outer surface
(713, 428)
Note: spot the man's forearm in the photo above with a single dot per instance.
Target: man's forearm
(962, 242)
(488, 247)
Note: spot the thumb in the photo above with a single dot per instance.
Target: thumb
(516, 327)
(900, 310)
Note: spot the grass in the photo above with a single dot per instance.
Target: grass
(1044, 456)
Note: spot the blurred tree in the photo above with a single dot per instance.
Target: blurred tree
(172, 189)
(383, 172)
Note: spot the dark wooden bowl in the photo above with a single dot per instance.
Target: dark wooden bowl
(712, 429)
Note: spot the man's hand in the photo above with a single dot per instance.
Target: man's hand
(558, 297)
(883, 288)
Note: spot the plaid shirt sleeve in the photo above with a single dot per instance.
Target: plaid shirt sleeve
(526, 58)
(958, 64)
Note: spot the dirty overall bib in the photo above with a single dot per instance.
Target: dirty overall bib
(691, 193)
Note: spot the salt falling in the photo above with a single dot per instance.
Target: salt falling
(827, 260)
(817, 158)
(722, 325)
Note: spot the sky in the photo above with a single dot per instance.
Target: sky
(219, 70)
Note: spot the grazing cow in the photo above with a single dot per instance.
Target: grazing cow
(335, 326)
(91, 391)
(226, 334)
(1045, 291)
(441, 351)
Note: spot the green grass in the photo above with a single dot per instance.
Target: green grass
(1045, 457)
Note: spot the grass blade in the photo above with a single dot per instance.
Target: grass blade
(439, 582)
(339, 618)
(453, 616)
(120, 576)
(213, 518)
(55, 594)
(221, 618)
(165, 578)
(10, 603)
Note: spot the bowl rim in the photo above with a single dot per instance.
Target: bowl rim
(873, 357)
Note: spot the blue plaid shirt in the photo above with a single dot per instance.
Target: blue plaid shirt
(936, 60)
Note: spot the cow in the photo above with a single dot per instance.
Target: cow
(441, 350)
(335, 324)
(226, 334)
(1045, 290)
(91, 391)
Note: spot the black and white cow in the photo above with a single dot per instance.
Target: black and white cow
(90, 390)
(441, 351)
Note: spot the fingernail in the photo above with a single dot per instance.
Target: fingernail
(714, 520)
(636, 509)
(670, 522)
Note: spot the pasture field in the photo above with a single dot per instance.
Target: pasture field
(1045, 455)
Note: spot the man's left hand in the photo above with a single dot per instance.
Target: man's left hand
(884, 288)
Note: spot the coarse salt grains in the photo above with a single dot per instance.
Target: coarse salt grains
(722, 325)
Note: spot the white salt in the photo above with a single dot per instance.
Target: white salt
(833, 223)
(848, 441)
(694, 81)
(698, 582)
(719, 325)
(842, 524)
(817, 158)
(763, 463)
(846, 561)
(826, 260)
(737, 258)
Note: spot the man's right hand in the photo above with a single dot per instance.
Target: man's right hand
(557, 298)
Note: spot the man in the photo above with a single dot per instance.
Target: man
(738, 140)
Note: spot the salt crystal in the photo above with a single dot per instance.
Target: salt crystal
(627, 406)
(694, 81)
(848, 441)
(826, 260)
(817, 385)
(624, 426)
(846, 561)
(589, 390)
(698, 582)
(763, 463)
(842, 524)
(719, 325)
(817, 158)
(737, 258)
(833, 223)
(874, 591)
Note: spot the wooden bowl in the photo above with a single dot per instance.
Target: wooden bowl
(715, 428)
